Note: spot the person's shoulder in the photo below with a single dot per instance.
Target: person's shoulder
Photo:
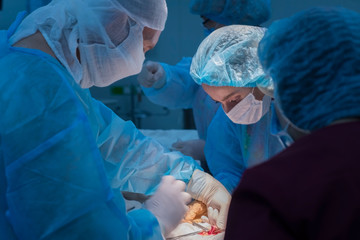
(309, 164)
(32, 77)
(25, 68)
(221, 122)
(279, 174)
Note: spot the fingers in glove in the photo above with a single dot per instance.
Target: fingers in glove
(213, 215)
(147, 77)
(205, 219)
(167, 180)
(149, 82)
(158, 74)
(179, 185)
(221, 220)
(152, 67)
(186, 197)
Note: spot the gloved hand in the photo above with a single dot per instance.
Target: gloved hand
(193, 148)
(152, 75)
(210, 191)
(168, 204)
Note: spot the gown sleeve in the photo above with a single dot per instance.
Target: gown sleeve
(58, 185)
(179, 90)
(134, 162)
(223, 151)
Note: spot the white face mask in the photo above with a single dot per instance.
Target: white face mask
(249, 110)
(103, 65)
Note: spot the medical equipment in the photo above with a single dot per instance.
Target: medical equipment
(184, 235)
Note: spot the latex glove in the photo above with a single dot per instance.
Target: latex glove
(169, 203)
(193, 148)
(210, 191)
(152, 75)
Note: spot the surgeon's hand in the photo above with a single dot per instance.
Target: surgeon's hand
(193, 148)
(210, 191)
(169, 203)
(152, 75)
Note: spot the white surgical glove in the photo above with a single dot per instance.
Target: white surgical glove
(193, 148)
(152, 75)
(210, 191)
(169, 203)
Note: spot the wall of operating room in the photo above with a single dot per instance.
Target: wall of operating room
(182, 35)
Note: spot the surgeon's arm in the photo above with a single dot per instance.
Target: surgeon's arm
(179, 90)
(223, 151)
(133, 161)
(56, 184)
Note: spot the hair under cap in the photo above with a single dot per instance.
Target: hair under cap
(314, 59)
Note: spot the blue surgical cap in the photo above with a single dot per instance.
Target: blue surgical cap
(313, 58)
(228, 57)
(227, 12)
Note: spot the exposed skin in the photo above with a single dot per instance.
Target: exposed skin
(150, 38)
(35, 41)
(293, 131)
(210, 24)
(230, 96)
(297, 133)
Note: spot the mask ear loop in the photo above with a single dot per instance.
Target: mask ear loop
(252, 92)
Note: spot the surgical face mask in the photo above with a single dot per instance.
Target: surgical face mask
(249, 110)
(277, 130)
(103, 65)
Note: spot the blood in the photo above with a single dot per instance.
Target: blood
(213, 231)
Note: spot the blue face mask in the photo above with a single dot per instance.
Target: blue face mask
(208, 31)
(277, 130)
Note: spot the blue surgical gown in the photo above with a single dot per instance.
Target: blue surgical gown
(65, 157)
(181, 91)
(231, 148)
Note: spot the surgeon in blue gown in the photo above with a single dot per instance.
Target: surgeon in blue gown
(65, 157)
(172, 86)
(241, 134)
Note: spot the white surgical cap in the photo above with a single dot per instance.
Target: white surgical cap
(65, 23)
(228, 57)
(150, 13)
